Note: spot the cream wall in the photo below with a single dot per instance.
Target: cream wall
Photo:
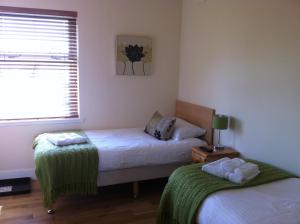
(242, 58)
(106, 100)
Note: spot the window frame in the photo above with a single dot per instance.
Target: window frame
(44, 13)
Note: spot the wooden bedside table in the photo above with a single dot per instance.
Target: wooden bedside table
(200, 156)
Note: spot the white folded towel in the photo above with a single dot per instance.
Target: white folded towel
(62, 139)
(215, 167)
(244, 173)
(235, 170)
(228, 166)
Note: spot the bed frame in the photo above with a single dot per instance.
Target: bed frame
(195, 114)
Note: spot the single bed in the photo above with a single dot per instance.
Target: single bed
(129, 148)
(130, 155)
(193, 196)
(124, 155)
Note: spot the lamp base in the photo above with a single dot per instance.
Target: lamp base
(218, 147)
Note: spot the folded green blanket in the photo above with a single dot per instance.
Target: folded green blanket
(71, 169)
(188, 186)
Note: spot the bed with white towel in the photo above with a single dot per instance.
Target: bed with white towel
(272, 203)
(230, 191)
(131, 155)
(130, 147)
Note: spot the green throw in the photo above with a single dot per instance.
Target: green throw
(71, 169)
(188, 186)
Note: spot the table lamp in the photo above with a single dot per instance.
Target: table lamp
(220, 122)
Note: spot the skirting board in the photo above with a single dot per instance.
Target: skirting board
(8, 174)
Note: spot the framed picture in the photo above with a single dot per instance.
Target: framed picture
(133, 55)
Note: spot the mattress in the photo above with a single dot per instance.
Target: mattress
(273, 203)
(128, 148)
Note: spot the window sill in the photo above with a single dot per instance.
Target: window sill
(41, 122)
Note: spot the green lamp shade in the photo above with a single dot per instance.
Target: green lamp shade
(220, 122)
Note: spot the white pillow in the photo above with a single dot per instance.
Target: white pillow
(184, 129)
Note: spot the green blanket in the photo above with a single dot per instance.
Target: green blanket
(188, 186)
(71, 169)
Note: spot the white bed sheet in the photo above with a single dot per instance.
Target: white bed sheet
(274, 203)
(127, 148)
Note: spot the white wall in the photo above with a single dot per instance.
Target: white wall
(242, 58)
(107, 100)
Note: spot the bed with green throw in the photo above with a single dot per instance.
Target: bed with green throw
(61, 170)
(188, 187)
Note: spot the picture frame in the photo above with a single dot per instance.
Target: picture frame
(133, 55)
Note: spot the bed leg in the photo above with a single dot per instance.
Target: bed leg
(135, 189)
(50, 210)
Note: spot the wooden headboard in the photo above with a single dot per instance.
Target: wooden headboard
(198, 115)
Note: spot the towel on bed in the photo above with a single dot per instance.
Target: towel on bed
(188, 187)
(243, 173)
(235, 170)
(62, 139)
(230, 165)
(61, 170)
(215, 167)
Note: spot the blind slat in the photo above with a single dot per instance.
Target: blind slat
(38, 63)
(57, 24)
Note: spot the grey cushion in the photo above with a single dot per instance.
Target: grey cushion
(184, 130)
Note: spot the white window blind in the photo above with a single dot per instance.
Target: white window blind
(38, 64)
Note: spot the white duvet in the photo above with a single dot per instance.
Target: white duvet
(127, 148)
(274, 203)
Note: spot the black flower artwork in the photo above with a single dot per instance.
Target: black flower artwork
(134, 54)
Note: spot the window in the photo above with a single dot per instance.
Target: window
(38, 64)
